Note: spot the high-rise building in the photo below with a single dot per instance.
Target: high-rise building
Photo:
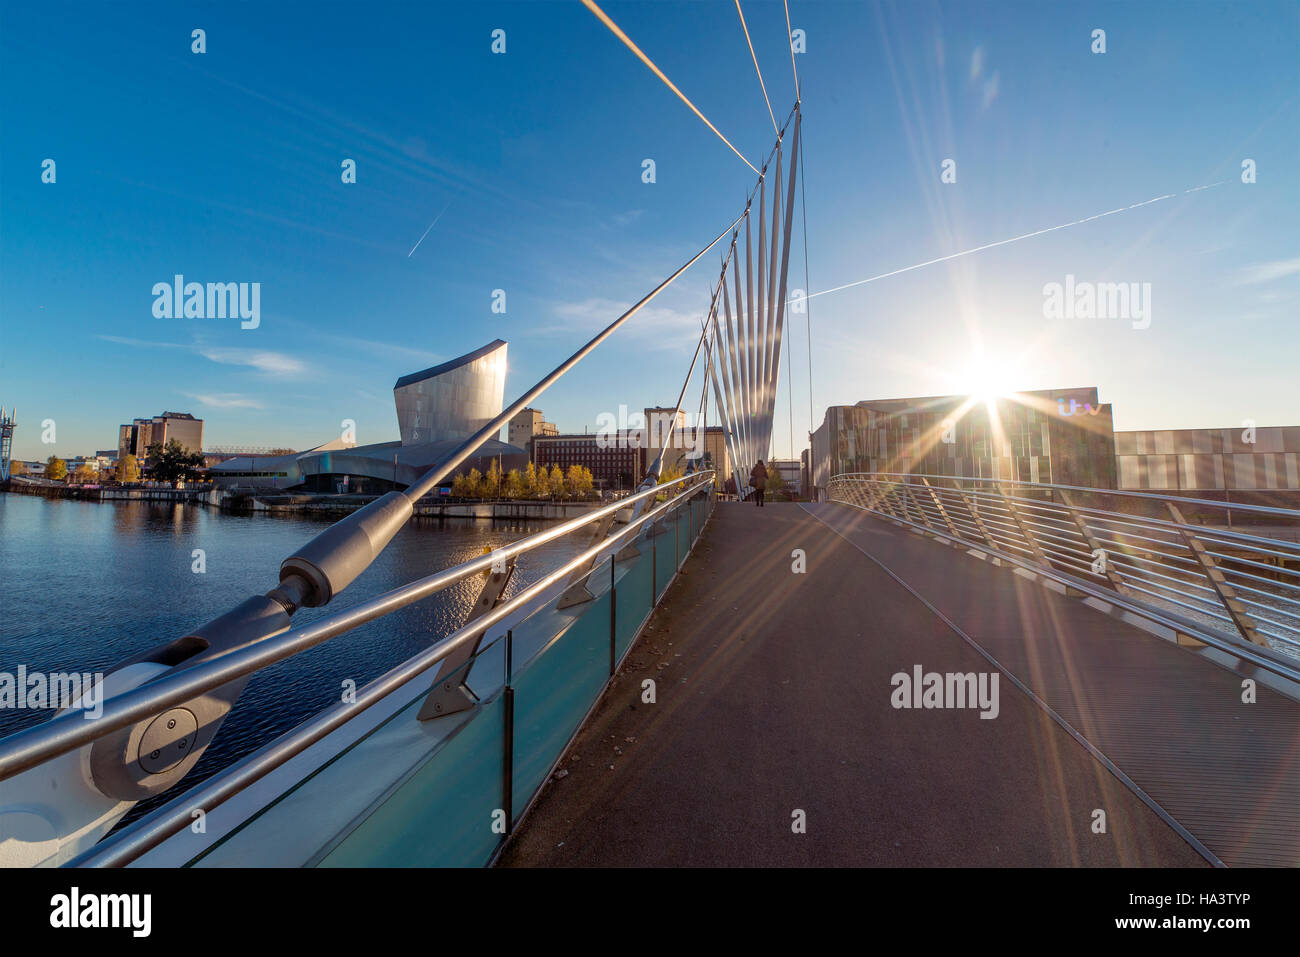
(135, 439)
(526, 424)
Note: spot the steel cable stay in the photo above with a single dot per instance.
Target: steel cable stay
(757, 69)
(627, 41)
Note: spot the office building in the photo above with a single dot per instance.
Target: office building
(135, 439)
(1063, 436)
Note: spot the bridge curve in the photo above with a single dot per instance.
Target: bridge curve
(775, 695)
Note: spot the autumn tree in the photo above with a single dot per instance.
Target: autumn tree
(556, 482)
(128, 470)
(474, 484)
(55, 468)
(578, 481)
(514, 485)
(492, 481)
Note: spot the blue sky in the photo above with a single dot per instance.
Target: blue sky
(225, 167)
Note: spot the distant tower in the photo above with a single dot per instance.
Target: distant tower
(6, 441)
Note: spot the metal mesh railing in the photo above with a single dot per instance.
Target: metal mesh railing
(1178, 558)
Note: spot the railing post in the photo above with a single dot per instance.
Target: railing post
(884, 499)
(613, 615)
(975, 516)
(577, 592)
(654, 563)
(1112, 574)
(1025, 533)
(449, 693)
(508, 751)
(907, 493)
(939, 505)
(1227, 594)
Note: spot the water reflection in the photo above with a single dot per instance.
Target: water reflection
(84, 585)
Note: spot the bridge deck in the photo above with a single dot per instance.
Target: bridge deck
(773, 694)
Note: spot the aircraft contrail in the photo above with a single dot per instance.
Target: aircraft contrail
(430, 229)
(1003, 242)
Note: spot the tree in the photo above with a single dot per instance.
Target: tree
(556, 482)
(17, 468)
(492, 481)
(128, 470)
(530, 482)
(174, 462)
(775, 485)
(460, 486)
(514, 485)
(573, 481)
(85, 475)
(672, 473)
(474, 483)
(55, 468)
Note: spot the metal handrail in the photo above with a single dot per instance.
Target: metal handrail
(1195, 568)
(1228, 506)
(68, 731)
(151, 830)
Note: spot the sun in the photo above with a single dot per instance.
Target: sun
(988, 378)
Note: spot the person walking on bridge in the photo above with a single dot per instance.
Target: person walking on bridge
(758, 479)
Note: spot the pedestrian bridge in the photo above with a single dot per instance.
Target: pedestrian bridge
(1112, 744)
(918, 672)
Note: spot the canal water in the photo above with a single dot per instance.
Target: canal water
(84, 585)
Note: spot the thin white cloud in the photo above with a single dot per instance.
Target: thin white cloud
(1267, 272)
(260, 359)
(991, 90)
(225, 400)
(124, 341)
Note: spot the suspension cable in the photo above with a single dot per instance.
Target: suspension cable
(790, 38)
(756, 68)
(614, 28)
(807, 315)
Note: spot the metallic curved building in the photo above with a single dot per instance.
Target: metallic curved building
(437, 409)
(453, 400)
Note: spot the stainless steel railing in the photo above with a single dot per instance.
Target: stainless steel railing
(69, 731)
(1241, 583)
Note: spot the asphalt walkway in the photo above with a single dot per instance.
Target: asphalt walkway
(775, 694)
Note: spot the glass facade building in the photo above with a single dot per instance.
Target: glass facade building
(1064, 436)
(1205, 459)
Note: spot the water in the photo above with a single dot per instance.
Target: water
(85, 585)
